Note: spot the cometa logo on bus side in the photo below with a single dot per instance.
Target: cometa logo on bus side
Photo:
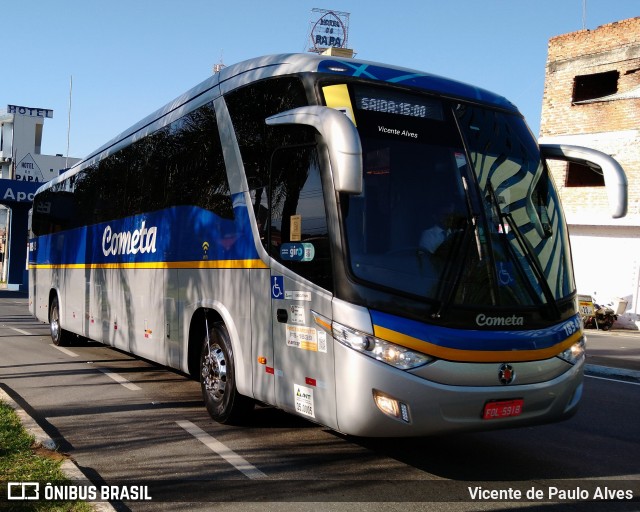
(141, 240)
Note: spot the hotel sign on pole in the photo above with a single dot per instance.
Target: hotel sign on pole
(29, 111)
(329, 31)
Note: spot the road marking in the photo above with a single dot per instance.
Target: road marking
(120, 380)
(224, 451)
(64, 350)
(614, 380)
(26, 333)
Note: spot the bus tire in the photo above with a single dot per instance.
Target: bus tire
(217, 379)
(59, 336)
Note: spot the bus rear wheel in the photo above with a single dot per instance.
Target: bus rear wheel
(59, 336)
(217, 379)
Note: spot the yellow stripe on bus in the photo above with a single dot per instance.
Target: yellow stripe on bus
(474, 356)
(203, 264)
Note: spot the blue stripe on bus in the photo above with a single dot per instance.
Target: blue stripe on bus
(478, 340)
(428, 82)
(178, 234)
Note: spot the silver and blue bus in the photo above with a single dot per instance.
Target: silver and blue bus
(377, 249)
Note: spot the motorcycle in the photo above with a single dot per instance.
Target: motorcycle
(595, 316)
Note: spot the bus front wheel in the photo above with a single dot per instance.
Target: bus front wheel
(217, 379)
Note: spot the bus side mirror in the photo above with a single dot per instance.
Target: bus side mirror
(615, 179)
(341, 137)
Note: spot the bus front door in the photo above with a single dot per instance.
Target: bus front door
(303, 353)
(301, 280)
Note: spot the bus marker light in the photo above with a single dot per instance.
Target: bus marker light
(270, 369)
(262, 360)
(404, 411)
(310, 381)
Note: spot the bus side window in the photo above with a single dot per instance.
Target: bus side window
(299, 236)
(283, 179)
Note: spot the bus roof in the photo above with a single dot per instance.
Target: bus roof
(258, 68)
(294, 63)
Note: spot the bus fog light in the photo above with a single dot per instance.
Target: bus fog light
(391, 407)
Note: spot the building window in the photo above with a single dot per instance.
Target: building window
(598, 85)
(579, 175)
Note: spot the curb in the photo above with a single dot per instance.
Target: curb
(68, 467)
(612, 373)
(40, 436)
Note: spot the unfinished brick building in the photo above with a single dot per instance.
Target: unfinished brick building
(592, 98)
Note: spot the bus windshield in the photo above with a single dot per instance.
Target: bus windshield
(457, 206)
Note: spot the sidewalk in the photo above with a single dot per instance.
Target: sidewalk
(613, 354)
(612, 372)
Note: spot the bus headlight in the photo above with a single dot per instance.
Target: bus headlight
(574, 352)
(385, 351)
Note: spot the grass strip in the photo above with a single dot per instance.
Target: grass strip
(23, 460)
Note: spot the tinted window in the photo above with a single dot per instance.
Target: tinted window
(298, 232)
(249, 107)
(180, 164)
(281, 164)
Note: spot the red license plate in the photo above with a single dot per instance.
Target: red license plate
(502, 409)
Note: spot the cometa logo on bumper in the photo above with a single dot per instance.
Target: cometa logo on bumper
(141, 240)
(499, 321)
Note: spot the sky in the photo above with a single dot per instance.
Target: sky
(127, 58)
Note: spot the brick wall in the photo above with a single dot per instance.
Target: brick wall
(610, 126)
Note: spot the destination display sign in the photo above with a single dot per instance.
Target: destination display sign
(397, 103)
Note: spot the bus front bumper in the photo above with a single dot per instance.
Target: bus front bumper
(432, 408)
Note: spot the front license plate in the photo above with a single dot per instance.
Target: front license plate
(502, 409)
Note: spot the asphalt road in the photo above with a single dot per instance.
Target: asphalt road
(127, 422)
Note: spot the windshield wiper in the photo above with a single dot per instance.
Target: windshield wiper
(454, 268)
(527, 250)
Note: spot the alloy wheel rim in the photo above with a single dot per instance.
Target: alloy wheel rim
(214, 373)
(55, 324)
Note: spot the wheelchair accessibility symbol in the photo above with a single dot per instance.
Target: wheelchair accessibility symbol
(277, 287)
(505, 273)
